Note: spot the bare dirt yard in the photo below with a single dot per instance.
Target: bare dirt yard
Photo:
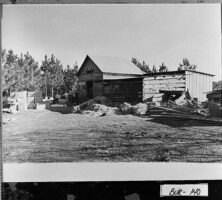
(47, 136)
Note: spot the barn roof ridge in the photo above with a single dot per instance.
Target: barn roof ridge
(118, 65)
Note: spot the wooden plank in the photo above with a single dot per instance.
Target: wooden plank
(156, 90)
(164, 85)
(187, 116)
(156, 94)
(179, 77)
(172, 81)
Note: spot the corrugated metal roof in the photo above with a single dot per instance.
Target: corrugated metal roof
(115, 65)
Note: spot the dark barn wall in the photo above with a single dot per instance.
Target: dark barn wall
(118, 87)
(129, 90)
(89, 71)
(89, 74)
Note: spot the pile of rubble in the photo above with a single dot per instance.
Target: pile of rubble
(101, 106)
(184, 107)
(21, 101)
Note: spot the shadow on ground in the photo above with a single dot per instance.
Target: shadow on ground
(183, 122)
(61, 109)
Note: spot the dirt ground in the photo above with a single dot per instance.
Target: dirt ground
(47, 136)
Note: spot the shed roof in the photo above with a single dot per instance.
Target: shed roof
(177, 72)
(115, 65)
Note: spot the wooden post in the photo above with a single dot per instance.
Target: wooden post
(148, 109)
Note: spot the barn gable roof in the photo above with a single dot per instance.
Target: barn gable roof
(114, 65)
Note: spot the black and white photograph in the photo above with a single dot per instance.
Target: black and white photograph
(111, 83)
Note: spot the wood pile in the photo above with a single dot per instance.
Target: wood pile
(215, 96)
(215, 103)
(184, 107)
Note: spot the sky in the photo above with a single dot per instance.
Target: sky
(154, 33)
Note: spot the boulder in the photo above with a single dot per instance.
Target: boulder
(40, 106)
(140, 109)
(105, 110)
(126, 108)
(14, 109)
(76, 109)
(88, 105)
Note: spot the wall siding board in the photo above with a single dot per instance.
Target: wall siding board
(96, 74)
(153, 84)
(198, 84)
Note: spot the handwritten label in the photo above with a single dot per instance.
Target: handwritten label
(199, 190)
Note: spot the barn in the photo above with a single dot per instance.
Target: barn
(160, 85)
(116, 78)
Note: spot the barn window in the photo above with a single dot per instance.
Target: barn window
(89, 69)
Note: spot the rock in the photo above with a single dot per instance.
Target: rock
(76, 109)
(99, 108)
(14, 109)
(126, 108)
(105, 110)
(40, 106)
(91, 113)
(117, 111)
(140, 109)
(88, 105)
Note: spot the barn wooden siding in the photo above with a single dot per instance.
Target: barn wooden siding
(117, 86)
(129, 90)
(89, 72)
(198, 84)
(154, 84)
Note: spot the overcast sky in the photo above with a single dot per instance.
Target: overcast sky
(154, 33)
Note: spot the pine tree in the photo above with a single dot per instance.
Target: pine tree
(10, 71)
(70, 78)
(186, 65)
(142, 66)
(52, 74)
(163, 68)
(154, 69)
(19, 73)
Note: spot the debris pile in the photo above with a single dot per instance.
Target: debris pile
(186, 107)
(183, 106)
(100, 104)
(103, 106)
(138, 109)
(215, 103)
(21, 101)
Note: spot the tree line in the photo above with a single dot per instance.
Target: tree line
(185, 65)
(23, 72)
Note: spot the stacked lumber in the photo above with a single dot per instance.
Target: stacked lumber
(185, 107)
(215, 96)
(215, 103)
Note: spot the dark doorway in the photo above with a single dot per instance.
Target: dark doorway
(89, 89)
